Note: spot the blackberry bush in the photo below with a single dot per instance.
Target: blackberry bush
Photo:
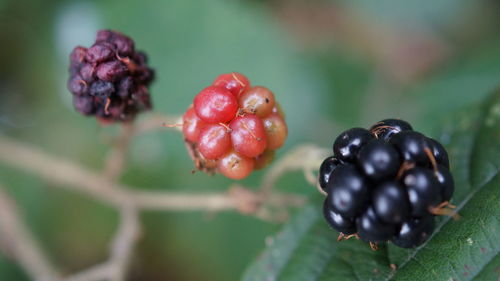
(233, 128)
(386, 184)
(110, 79)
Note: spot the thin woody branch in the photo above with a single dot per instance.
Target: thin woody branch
(17, 242)
(73, 177)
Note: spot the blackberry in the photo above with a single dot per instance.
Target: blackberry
(411, 145)
(423, 190)
(378, 160)
(386, 184)
(439, 152)
(110, 79)
(446, 183)
(326, 168)
(390, 202)
(414, 232)
(372, 229)
(349, 191)
(348, 143)
(389, 127)
(337, 221)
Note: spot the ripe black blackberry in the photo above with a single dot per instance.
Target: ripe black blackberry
(386, 183)
(110, 79)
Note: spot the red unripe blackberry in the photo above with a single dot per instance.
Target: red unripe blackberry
(215, 105)
(264, 159)
(276, 131)
(248, 135)
(235, 166)
(191, 125)
(234, 82)
(214, 140)
(230, 124)
(257, 100)
(278, 110)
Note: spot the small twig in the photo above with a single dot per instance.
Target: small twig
(115, 268)
(154, 122)
(17, 241)
(117, 156)
(305, 157)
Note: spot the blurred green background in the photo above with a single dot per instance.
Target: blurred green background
(332, 65)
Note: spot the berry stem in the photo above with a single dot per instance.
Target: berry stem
(117, 156)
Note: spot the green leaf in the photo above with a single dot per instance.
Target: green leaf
(463, 249)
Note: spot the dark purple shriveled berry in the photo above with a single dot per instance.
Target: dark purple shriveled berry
(423, 190)
(439, 152)
(125, 86)
(325, 170)
(99, 53)
(104, 35)
(87, 72)
(101, 88)
(77, 85)
(390, 202)
(77, 55)
(348, 143)
(349, 191)
(110, 71)
(124, 45)
(141, 57)
(337, 221)
(414, 232)
(411, 145)
(112, 75)
(378, 160)
(84, 104)
(385, 129)
(446, 183)
(371, 228)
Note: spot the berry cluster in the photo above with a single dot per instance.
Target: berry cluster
(110, 79)
(233, 128)
(386, 183)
